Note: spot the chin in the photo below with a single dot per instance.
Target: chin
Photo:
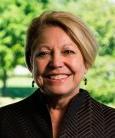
(59, 91)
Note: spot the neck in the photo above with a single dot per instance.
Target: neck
(59, 102)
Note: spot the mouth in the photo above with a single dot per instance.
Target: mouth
(57, 76)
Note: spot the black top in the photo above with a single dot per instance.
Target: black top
(84, 118)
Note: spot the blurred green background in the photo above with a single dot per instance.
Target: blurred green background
(15, 16)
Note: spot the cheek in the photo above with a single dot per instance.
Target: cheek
(78, 72)
(38, 73)
(41, 66)
(77, 65)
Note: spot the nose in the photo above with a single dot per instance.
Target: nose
(56, 60)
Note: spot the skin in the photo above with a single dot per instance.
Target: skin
(60, 69)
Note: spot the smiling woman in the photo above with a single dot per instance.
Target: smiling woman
(60, 49)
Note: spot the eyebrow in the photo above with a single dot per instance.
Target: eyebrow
(40, 46)
(43, 45)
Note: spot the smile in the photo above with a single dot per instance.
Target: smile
(57, 77)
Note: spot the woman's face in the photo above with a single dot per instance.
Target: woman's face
(60, 65)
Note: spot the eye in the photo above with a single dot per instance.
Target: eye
(42, 54)
(68, 52)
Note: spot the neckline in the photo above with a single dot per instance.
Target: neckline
(74, 104)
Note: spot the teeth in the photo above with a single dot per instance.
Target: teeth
(57, 76)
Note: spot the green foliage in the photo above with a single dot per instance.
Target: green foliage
(5, 56)
(101, 79)
(14, 18)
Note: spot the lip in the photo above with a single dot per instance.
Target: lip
(61, 77)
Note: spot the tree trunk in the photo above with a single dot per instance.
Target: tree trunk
(4, 79)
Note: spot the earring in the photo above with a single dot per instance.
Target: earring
(33, 83)
(85, 81)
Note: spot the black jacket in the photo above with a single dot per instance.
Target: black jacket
(85, 118)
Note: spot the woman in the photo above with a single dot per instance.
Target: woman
(60, 49)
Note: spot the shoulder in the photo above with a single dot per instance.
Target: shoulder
(101, 116)
(105, 112)
(20, 117)
(99, 111)
(11, 116)
(95, 104)
(13, 109)
(24, 106)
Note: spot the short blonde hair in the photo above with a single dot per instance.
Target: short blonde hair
(72, 25)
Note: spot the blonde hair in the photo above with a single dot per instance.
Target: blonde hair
(72, 25)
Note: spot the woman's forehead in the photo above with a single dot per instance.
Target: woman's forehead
(54, 36)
